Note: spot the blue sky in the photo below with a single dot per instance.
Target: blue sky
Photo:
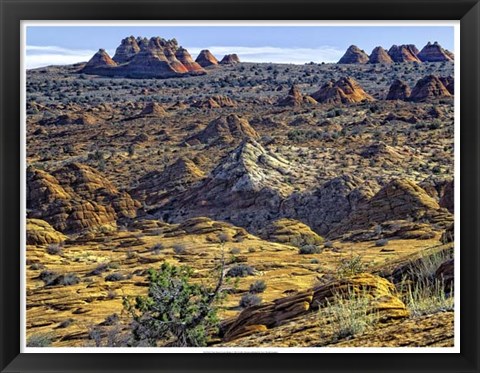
(48, 45)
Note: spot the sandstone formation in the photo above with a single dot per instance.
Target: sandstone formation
(328, 204)
(153, 109)
(99, 63)
(176, 64)
(449, 83)
(400, 199)
(429, 88)
(213, 102)
(186, 59)
(379, 291)
(75, 198)
(205, 59)
(290, 232)
(156, 188)
(127, 49)
(246, 188)
(225, 130)
(71, 118)
(403, 53)
(379, 55)
(354, 55)
(295, 98)
(448, 197)
(230, 59)
(144, 58)
(345, 90)
(399, 90)
(433, 53)
(39, 232)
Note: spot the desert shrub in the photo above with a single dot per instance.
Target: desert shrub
(47, 276)
(99, 270)
(350, 266)
(235, 251)
(39, 340)
(117, 276)
(249, 300)
(424, 298)
(179, 249)
(240, 270)
(309, 249)
(258, 286)
(175, 311)
(382, 242)
(328, 244)
(349, 314)
(423, 269)
(155, 249)
(423, 292)
(54, 249)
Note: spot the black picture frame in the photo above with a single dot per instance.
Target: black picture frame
(13, 11)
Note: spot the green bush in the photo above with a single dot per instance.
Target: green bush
(175, 312)
(309, 249)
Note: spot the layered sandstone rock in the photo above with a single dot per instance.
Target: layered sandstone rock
(127, 49)
(447, 198)
(291, 232)
(345, 90)
(246, 188)
(429, 88)
(449, 83)
(433, 53)
(295, 98)
(328, 204)
(400, 199)
(214, 102)
(230, 59)
(403, 53)
(379, 55)
(153, 109)
(380, 293)
(156, 188)
(186, 59)
(99, 63)
(354, 55)
(75, 198)
(399, 90)
(39, 232)
(205, 59)
(225, 130)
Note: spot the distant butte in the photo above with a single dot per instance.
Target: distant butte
(152, 58)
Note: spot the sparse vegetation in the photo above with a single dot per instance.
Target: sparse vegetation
(258, 286)
(249, 300)
(240, 270)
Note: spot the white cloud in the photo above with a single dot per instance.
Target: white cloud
(276, 54)
(39, 56)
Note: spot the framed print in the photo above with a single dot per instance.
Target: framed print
(239, 186)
